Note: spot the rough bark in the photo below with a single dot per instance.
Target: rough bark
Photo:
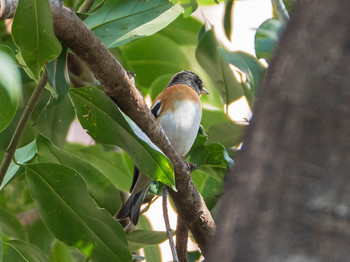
(287, 199)
(116, 83)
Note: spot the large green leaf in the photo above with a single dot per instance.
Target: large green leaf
(116, 166)
(22, 155)
(20, 251)
(211, 159)
(10, 86)
(143, 238)
(68, 211)
(152, 57)
(32, 31)
(227, 133)
(40, 236)
(10, 226)
(107, 124)
(267, 37)
(219, 71)
(118, 22)
(248, 64)
(209, 187)
(100, 188)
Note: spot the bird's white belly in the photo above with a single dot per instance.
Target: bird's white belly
(181, 126)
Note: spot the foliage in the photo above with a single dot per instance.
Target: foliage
(76, 188)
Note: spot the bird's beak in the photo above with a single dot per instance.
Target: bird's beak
(204, 91)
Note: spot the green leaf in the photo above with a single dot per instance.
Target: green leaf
(267, 37)
(107, 124)
(119, 22)
(188, 5)
(152, 253)
(10, 226)
(100, 188)
(10, 86)
(228, 21)
(22, 155)
(211, 159)
(227, 133)
(10, 78)
(58, 77)
(2, 248)
(32, 31)
(219, 71)
(61, 253)
(193, 256)
(207, 186)
(142, 238)
(70, 214)
(152, 57)
(40, 236)
(248, 64)
(8, 108)
(116, 166)
(23, 251)
(55, 122)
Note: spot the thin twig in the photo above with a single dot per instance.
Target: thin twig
(10, 151)
(281, 10)
(181, 239)
(86, 6)
(167, 225)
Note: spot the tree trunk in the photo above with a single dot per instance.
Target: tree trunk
(288, 197)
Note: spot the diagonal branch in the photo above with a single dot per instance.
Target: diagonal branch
(116, 83)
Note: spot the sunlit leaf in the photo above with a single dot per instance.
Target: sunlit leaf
(227, 133)
(10, 86)
(246, 63)
(118, 22)
(219, 71)
(61, 253)
(267, 37)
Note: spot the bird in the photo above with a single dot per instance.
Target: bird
(178, 110)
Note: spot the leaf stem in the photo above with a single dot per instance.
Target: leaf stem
(86, 6)
(10, 151)
(281, 10)
(167, 225)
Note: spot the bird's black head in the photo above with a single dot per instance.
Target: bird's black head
(188, 78)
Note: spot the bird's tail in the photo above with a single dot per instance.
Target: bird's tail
(131, 207)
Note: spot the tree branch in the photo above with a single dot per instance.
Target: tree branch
(116, 84)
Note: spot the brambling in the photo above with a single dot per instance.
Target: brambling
(178, 110)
